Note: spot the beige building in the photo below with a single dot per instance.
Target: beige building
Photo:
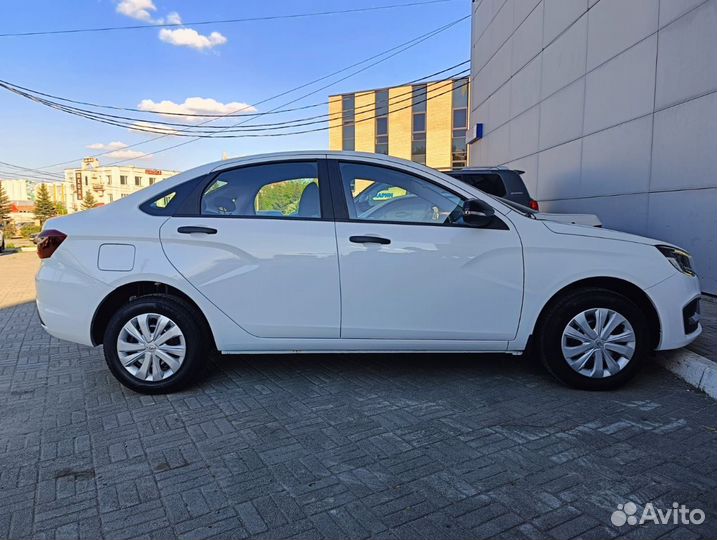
(16, 189)
(107, 184)
(424, 122)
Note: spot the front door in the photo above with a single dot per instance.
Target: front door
(263, 250)
(410, 269)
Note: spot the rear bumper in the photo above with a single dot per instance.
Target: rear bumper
(675, 300)
(66, 301)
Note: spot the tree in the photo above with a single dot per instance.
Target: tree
(88, 201)
(60, 208)
(5, 206)
(44, 207)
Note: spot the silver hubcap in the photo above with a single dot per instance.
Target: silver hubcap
(151, 347)
(598, 343)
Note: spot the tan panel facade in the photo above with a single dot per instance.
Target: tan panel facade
(365, 121)
(335, 123)
(399, 121)
(439, 124)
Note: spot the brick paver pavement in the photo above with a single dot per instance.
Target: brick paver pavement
(350, 446)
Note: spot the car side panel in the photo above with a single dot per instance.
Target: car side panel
(553, 262)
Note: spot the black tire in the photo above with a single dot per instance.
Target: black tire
(562, 311)
(198, 343)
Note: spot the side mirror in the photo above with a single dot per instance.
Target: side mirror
(477, 213)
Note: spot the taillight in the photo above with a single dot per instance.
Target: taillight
(534, 205)
(48, 241)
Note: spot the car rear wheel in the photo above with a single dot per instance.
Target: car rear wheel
(154, 344)
(593, 339)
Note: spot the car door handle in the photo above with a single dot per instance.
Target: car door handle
(369, 240)
(192, 229)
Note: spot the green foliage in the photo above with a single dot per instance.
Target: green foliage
(281, 196)
(10, 229)
(5, 205)
(88, 200)
(27, 230)
(60, 208)
(44, 207)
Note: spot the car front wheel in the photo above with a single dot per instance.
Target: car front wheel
(154, 344)
(594, 339)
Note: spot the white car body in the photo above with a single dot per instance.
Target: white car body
(280, 285)
(591, 220)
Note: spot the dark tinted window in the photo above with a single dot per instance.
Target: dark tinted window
(348, 132)
(488, 182)
(381, 136)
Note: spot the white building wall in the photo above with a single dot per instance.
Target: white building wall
(610, 106)
(16, 190)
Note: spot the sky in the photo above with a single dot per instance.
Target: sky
(224, 64)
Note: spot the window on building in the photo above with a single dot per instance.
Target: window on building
(459, 151)
(111, 197)
(123, 180)
(381, 144)
(87, 182)
(137, 180)
(151, 180)
(348, 135)
(419, 96)
(109, 179)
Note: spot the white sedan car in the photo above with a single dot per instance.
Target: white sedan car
(299, 252)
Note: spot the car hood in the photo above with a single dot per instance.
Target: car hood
(591, 220)
(597, 232)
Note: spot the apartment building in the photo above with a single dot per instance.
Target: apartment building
(107, 184)
(423, 122)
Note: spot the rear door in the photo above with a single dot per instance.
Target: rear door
(262, 248)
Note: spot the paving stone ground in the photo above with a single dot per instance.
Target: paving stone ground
(350, 446)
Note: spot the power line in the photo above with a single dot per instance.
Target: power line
(411, 42)
(400, 48)
(416, 42)
(219, 21)
(21, 90)
(50, 174)
(156, 126)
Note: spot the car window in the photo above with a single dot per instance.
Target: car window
(375, 193)
(490, 183)
(289, 190)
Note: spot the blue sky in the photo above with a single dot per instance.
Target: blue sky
(258, 60)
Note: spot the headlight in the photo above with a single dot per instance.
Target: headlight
(679, 258)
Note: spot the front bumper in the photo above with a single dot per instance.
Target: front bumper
(676, 300)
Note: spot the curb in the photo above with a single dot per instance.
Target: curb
(694, 369)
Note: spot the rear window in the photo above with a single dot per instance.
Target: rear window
(490, 183)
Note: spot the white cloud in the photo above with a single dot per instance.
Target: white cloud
(150, 128)
(173, 18)
(119, 150)
(137, 9)
(188, 37)
(129, 154)
(115, 145)
(144, 10)
(195, 105)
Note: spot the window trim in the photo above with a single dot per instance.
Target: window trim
(192, 205)
(341, 210)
